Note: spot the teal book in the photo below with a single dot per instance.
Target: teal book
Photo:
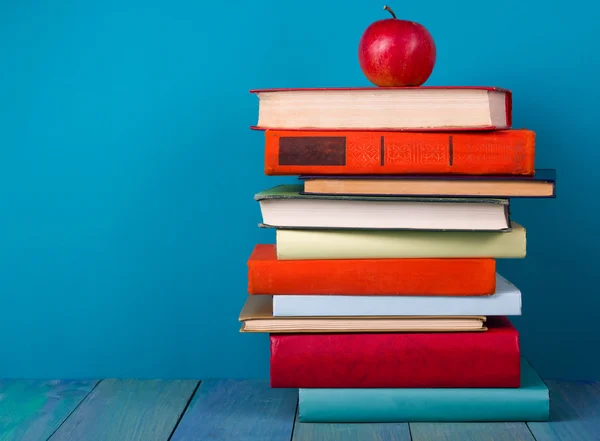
(530, 402)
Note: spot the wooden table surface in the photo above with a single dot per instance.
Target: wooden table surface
(238, 410)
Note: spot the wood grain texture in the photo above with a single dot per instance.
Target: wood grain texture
(351, 432)
(32, 410)
(470, 431)
(232, 410)
(128, 410)
(574, 412)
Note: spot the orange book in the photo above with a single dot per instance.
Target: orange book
(501, 152)
(444, 277)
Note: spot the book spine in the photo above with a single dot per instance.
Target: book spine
(400, 360)
(425, 405)
(382, 277)
(503, 152)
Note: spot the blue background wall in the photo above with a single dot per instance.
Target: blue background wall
(128, 171)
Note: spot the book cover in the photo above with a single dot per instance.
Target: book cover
(506, 301)
(398, 360)
(503, 152)
(372, 277)
(529, 402)
(284, 192)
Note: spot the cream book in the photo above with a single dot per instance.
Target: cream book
(380, 108)
(257, 316)
(541, 185)
(374, 244)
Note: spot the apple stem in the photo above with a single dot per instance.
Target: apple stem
(387, 8)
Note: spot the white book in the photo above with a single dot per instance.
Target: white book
(285, 206)
(505, 301)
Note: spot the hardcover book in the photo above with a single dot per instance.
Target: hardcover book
(257, 316)
(540, 185)
(503, 152)
(398, 360)
(385, 108)
(284, 206)
(528, 402)
(506, 301)
(385, 244)
(376, 277)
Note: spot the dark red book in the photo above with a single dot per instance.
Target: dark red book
(400, 360)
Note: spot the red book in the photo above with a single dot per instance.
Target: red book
(437, 277)
(502, 152)
(400, 360)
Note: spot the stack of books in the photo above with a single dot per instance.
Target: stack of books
(381, 295)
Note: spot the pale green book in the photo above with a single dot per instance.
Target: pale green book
(385, 244)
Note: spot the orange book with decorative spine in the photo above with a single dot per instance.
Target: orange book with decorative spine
(442, 277)
(502, 152)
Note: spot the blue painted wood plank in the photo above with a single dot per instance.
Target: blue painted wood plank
(574, 412)
(351, 432)
(234, 410)
(470, 431)
(32, 410)
(128, 410)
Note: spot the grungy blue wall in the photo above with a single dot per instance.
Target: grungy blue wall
(128, 170)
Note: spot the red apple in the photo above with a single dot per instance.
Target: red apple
(395, 52)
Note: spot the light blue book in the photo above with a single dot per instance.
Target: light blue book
(505, 301)
(530, 402)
